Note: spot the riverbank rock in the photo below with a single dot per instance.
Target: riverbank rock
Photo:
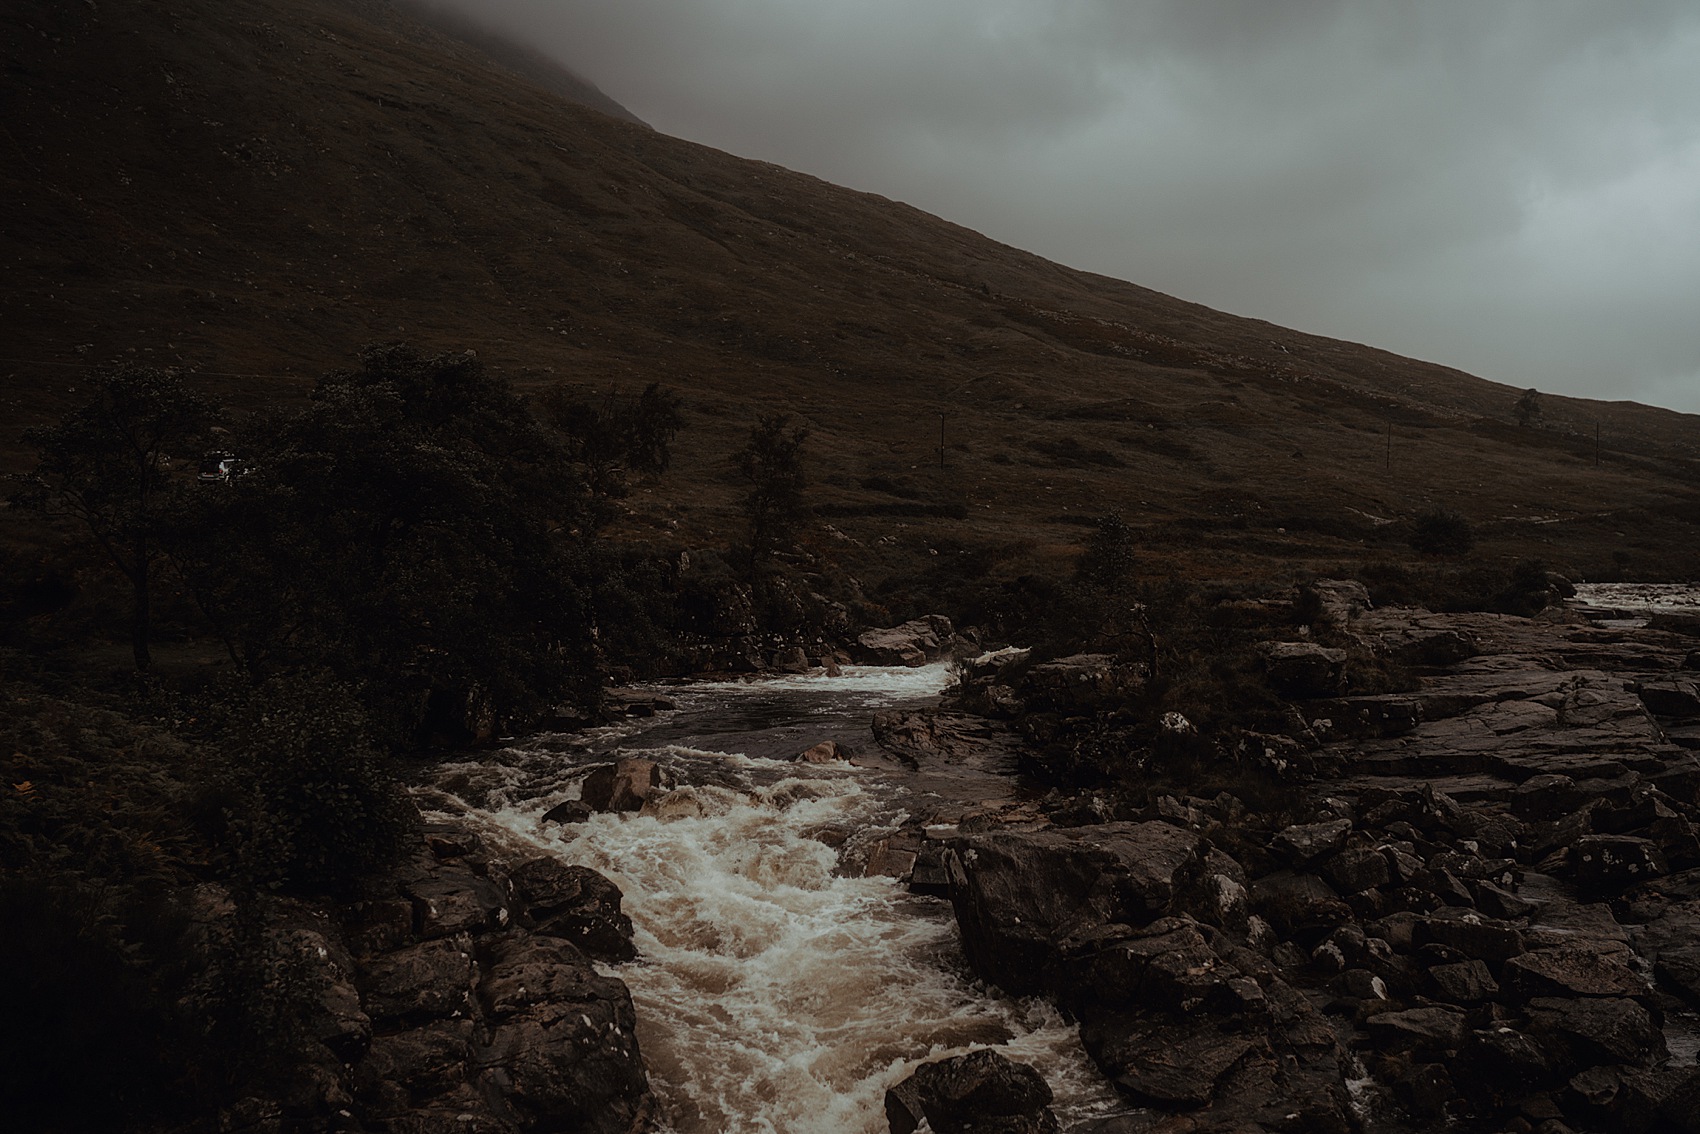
(1018, 896)
(621, 786)
(1432, 915)
(914, 643)
(430, 1003)
(982, 1092)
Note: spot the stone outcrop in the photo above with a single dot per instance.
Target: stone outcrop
(982, 1092)
(1486, 910)
(458, 995)
(914, 643)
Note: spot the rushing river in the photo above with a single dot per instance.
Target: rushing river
(776, 991)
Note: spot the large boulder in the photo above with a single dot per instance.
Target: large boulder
(1161, 1062)
(574, 903)
(915, 643)
(1018, 895)
(563, 1047)
(982, 1091)
(1333, 603)
(621, 786)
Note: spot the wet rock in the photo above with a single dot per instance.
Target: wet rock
(1500, 1063)
(425, 981)
(1417, 645)
(913, 644)
(979, 1093)
(1017, 894)
(1462, 982)
(528, 970)
(574, 903)
(1610, 864)
(1302, 669)
(1432, 1030)
(621, 786)
(571, 811)
(423, 1062)
(572, 1064)
(826, 752)
(1294, 903)
(1595, 1030)
(1303, 843)
(1470, 933)
(1546, 796)
(1169, 966)
(1671, 697)
(1356, 869)
(454, 901)
(792, 659)
(1161, 1062)
(1591, 968)
(1496, 901)
(1679, 970)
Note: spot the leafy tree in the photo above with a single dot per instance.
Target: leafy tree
(772, 462)
(1528, 408)
(107, 465)
(610, 437)
(415, 531)
(1108, 559)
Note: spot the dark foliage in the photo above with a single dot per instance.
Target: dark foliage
(609, 438)
(295, 796)
(772, 462)
(416, 532)
(1441, 532)
(107, 465)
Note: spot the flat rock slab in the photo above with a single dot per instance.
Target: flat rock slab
(1161, 1063)
(1594, 969)
(1016, 893)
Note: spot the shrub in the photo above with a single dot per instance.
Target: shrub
(1440, 532)
(298, 798)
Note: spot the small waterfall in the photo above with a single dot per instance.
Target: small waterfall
(774, 992)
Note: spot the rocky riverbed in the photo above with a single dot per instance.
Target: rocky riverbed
(1488, 911)
(1477, 904)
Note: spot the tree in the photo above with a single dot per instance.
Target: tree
(416, 531)
(107, 465)
(772, 462)
(1528, 408)
(610, 437)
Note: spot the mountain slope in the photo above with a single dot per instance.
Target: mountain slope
(259, 188)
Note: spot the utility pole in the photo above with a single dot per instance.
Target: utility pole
(1390, 446)
(941, 440)
(1596, 444)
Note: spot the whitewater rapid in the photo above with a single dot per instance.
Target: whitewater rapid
(776, 991)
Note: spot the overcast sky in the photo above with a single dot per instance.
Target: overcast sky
(1511, 187)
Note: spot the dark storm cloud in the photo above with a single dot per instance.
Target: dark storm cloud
(1508, 187)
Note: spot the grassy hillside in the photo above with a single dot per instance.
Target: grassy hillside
(258, 188)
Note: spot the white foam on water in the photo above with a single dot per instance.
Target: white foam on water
(774, 995)
(888, 683)
(1669, 597)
